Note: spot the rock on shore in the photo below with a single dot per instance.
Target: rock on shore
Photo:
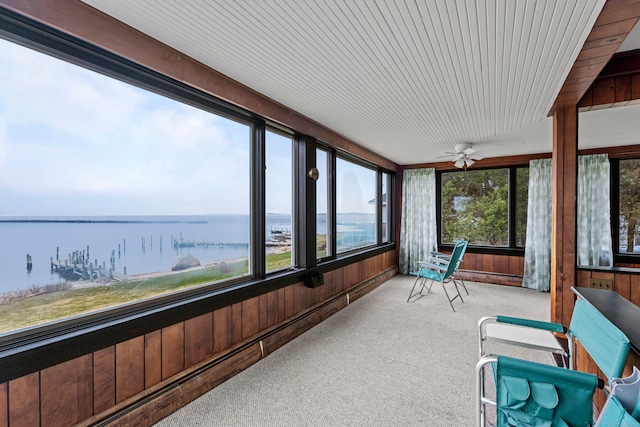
(184, 261)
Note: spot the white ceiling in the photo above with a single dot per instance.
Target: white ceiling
(407, 79)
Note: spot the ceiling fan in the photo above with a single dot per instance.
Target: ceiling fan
(465, 155)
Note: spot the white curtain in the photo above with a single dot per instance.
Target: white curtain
(418, 231)
(537, 252)
(594, 215)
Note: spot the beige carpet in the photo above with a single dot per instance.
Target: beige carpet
(379, 362)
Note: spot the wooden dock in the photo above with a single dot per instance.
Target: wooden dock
(84, 271)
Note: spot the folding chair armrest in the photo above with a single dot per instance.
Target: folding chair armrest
(529, 323)
(534, 334)
(427, 264)
(441, 255)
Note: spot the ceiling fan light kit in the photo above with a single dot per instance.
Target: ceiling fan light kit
(465, 155)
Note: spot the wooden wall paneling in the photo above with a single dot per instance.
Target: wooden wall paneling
(635, 289)
(623, 90)
(326, 290)
(471, 261)
(179, 396)
(514, 265)
(331, 282)
(299, 297)
(635, 88)
(604, 93)
(4, 405)
(345, 278)
(488, 262)
(312, 295)
(236, 323)
(222, 329)
(152, 358)
(586, 101)
(501, 264)
(342, 275)
(104, 379)
(281, 305)
(268, 309)
(582, 278)
(250, 317)
(129, 368)
(24, 401)
(622, 285)
(198, 339)
(289, 301)
(172, 350)
(66, 392)
(480, 262)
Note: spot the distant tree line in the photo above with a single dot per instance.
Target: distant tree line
(629, 202)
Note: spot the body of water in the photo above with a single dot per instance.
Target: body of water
(142, 244)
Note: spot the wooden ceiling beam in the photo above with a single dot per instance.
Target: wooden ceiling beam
(616, 20)
(622, 63)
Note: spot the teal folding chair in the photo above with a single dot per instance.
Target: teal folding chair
(626, 392)
(530, 394)
(441, 255)
(615, 415)
(438, 270)
(607, 345)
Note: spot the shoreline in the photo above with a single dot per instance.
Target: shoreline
(7, 297)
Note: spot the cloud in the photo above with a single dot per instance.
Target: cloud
(73, 141)
(355, 187)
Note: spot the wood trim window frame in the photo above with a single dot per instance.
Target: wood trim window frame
(511, 249)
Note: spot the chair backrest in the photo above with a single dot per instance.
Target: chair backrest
(464, 240)
(458, 250)
(607, 345)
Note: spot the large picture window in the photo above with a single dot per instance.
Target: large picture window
(111, 193)
(488, 206)
(278, 201)
(356, 201)
(628, 206)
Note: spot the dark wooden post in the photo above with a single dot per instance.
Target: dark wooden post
(563, 212)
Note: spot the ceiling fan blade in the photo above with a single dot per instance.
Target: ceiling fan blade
(469, 162)
(459, 163)
(476, 157)
(469, 151)
(484, 152)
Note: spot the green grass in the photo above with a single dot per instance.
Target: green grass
(38, 309)
(29, 311)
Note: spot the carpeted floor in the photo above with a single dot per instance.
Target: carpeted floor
(379, 362)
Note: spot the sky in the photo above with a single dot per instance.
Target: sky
(75, 142)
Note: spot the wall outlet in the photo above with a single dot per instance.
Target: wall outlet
(598, 283)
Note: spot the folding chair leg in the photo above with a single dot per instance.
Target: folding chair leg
(423, 282)
(447, 294)
(462, 282)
